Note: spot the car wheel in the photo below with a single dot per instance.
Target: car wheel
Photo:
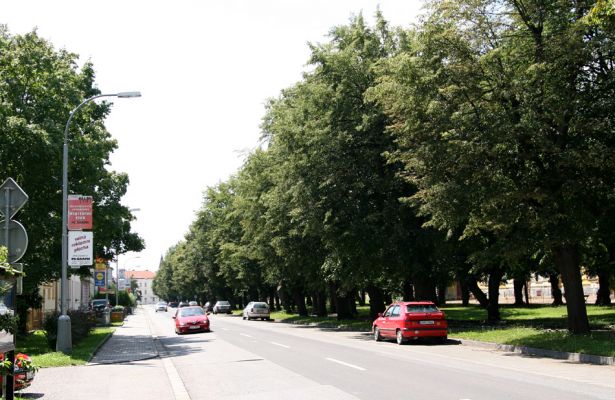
(443, 339)
(377, 336)
(399, 338)
(243, 317)
(268, 319)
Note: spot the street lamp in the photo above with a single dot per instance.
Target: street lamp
(64, 340)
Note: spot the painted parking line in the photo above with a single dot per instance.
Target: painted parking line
(345, 364)
(280, 344)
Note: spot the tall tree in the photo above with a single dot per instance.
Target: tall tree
(504, 114)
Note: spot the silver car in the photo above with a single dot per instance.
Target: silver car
(222, 307)
(256, 309)
(161, 306)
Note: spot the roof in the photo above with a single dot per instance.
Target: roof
(140, 274)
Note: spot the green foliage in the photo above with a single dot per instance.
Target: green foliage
(40, 86)
(81, 324)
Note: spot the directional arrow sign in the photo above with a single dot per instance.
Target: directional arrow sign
(18, 239)
(17, 197)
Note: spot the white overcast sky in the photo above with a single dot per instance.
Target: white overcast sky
(205, 69)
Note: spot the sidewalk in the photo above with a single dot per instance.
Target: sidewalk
(130, 342)
(126, 366)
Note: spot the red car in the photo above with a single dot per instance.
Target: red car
(191, 319)
(411, 320)
(24, 371)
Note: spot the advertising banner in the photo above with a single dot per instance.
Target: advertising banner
(99, 278)
(80, 248)
(79, 212)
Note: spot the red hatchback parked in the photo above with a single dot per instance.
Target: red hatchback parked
(191, 319)
(410, 320)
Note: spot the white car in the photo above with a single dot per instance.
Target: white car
(256, 309)
(161, 306)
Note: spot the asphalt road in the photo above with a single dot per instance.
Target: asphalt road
(257, 359)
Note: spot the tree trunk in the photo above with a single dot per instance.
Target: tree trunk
(478, 294)
(388, 299)
(567, 261)
(277, 302)
(518, 287)
(441, 294)
(352, 302)
(493, 309)
(362, 297)
(465, 294)
(408, 290)
(332, 297)
(321, 303)
(272, 299)
(603, 297)
(299, 299)
(527, 294)
(376, 301)
(556, 292)
(342, 304)
(425, 292)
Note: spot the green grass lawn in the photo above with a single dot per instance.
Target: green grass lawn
(35, 345)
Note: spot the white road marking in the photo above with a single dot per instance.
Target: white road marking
(246, 335)
(224, 329)
(177, 385)
(281, 345)
(345, 363)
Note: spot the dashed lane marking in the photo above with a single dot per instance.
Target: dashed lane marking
(345, 364)
(281, 345)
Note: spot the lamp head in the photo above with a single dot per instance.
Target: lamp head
(124, 95)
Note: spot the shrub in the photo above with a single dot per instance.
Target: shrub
(80, 326)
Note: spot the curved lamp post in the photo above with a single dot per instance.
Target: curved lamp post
(64, 341)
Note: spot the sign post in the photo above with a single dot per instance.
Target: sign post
(15, 238)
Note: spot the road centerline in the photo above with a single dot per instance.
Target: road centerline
(345, 364)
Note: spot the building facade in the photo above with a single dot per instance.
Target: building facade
(145, 280)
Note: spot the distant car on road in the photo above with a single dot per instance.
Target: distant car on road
(183, 304)
(222, 306)
(161, 306)
(191, 319)
(256, 309)
(411, 320)
(193, 303)
(173, 304)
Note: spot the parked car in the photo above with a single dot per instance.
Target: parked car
(193, 303)
(222, 307)
(99, 306)
(256, 309)
(191, 319)
(173, 304)
(411, 320)
(161, 306)
(24, 371)
(183, 304)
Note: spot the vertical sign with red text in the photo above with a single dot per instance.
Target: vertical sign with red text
(79, 212)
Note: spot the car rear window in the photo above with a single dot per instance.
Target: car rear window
(260, 305)
(224, 303)
(191, 312)
(421, 308)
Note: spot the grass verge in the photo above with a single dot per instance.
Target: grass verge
(35, 345)
(541, 327)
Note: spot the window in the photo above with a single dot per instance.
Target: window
(395, 312)
(421, 308)
(388, 311)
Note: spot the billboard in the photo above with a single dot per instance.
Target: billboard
(80, 248)
(79, 212)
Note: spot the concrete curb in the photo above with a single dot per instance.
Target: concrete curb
(532, 351)
(100, 345)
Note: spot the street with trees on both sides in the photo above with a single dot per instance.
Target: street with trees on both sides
(476, 146)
